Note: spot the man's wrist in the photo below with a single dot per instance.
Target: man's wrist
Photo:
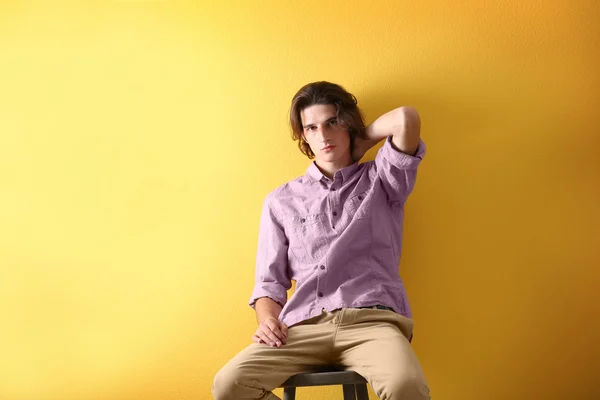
(266, 308)
(264, 318)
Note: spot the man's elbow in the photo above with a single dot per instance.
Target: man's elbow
(407, 130)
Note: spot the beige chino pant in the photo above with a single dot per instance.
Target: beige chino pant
(372, 342)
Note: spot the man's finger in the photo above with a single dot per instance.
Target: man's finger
(280, 336)
(272, 339)
(284, 329)
(257, 339)
(269, 339)
(274, 327)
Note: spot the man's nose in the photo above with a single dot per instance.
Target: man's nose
(322, 134)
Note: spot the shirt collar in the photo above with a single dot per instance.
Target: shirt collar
(315, 173)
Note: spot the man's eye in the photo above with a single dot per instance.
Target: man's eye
(333, 122)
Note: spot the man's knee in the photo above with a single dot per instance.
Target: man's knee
(406, 387)
(224, 384)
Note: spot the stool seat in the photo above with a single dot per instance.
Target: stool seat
(353, 384)
(324, 379)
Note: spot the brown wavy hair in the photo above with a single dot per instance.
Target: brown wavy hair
(322, 92)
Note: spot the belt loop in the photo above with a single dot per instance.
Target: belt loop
(339, 315)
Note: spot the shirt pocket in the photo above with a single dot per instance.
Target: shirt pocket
(307, 237)
(357, 205)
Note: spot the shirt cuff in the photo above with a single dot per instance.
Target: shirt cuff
(274, 291)
(399, 159)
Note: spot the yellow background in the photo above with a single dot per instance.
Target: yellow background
(138, 140)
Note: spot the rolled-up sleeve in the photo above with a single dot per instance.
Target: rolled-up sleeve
(397, 170)
(272, 276)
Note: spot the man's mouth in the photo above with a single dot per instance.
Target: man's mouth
(328, 148)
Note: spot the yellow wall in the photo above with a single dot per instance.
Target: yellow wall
(138, 140)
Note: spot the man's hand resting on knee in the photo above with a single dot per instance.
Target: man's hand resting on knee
(270, 330)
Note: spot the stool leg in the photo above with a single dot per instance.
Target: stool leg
(361, 392)
(289, 393)
(349, 392)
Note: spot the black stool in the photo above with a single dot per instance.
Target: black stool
(353, 385)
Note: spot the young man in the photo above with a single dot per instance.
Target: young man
(337, 232)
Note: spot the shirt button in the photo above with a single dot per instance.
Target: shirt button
(322, 267)
(320, 294)
(334, 213)
(303, 220)
(360, 197)
(333, 189)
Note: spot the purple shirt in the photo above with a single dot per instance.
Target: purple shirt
(339, 239)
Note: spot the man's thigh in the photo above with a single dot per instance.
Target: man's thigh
(375, 344)
(260, 368)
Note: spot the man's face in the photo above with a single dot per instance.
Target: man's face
(327, 137)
